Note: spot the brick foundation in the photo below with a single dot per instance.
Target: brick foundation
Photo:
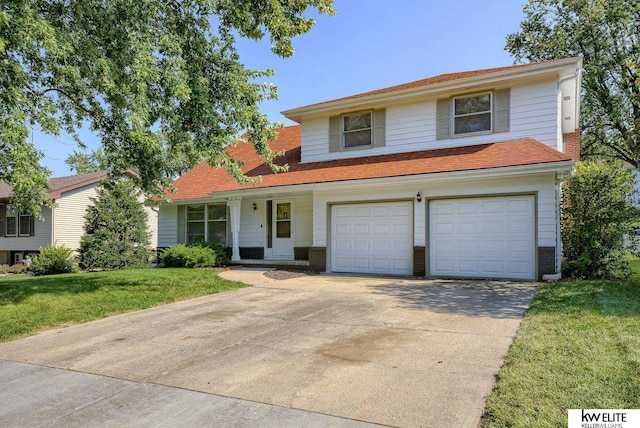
(419, 261)
(318, 259)
(546, 261)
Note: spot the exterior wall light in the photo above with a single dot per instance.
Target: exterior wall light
(419, 197)
(255, 207)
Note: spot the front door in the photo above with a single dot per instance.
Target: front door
(282, 227)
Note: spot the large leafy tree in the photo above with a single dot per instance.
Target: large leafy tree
(159, 81)
(606, 34)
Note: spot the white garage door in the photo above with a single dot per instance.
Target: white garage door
(483, 237)
(372, 238)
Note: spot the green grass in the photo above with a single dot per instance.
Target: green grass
(577, 348)
(29, 305)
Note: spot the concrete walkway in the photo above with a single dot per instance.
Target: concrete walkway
(389, 351)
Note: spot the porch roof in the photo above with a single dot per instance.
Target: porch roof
(205, 180)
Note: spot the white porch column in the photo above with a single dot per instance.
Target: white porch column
(234, 205)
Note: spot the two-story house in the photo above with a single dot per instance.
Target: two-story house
(456, 175)
(63, 224)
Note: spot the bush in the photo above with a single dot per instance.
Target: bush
(223, 252)
(17, 268)
(4, 269)
(183, 256)
(597, 211)
(53, 259)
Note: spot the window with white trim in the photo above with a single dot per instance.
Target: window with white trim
(357, 129)
(472, 113)
(207, 223)
(11, 222)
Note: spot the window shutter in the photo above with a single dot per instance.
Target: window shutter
(443, 118)
(32, 224)
(379, 127)
(503, 113)
(334, 134)
(2, 220)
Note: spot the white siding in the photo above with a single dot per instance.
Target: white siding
(304, 222)
(253, 226)
(412, 126)
(41, 236)
(69, 215)
(167, 225)
(152, 224)
(542, 184)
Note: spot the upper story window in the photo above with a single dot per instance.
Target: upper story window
(472, 114)
(11, 221)
(363, 129)
(25, 224)
(356, 129)
(207, 223)
(482, 113)
(15, 223)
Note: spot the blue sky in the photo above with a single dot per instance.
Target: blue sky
(367, 45)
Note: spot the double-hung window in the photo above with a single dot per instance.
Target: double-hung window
(207, 223)
(217, 223)
(357, 129)
(25, 224)
(11, 221)
(472, 113)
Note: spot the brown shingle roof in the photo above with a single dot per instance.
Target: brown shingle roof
(60, 185)
(203, 180)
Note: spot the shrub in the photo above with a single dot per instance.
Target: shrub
(17, 268)
(53, 259)
(4, 269)
(184, 256)
(597, 211)
(115, 227)
(223, 252)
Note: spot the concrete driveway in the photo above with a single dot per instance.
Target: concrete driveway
(398, 352)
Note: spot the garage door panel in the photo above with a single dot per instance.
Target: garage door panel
(381, 211)
(381, 242)
(380, 229)
(483, 237)
(469, 207)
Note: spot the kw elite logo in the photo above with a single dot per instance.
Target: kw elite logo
(604, 418)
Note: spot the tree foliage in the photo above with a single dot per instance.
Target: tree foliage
(606, 34)
(81, 162)
(115, 228)
(597, 211)
(159, 82)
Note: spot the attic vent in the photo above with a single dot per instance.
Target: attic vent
(567, 98)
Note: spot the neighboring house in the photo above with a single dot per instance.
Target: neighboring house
(22, 234)
(452, 176)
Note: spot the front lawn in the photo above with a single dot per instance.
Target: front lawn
(30, 304)
(577, 348)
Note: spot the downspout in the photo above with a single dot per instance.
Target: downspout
(558, 262)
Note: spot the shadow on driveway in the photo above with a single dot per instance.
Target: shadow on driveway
(495, 299)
